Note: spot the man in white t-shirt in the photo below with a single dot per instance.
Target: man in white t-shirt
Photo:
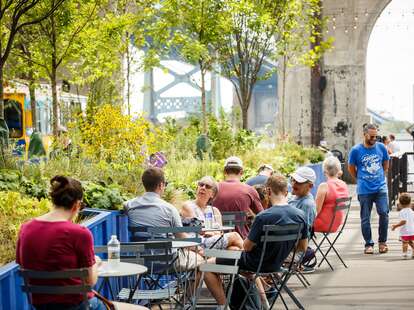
(393, 145)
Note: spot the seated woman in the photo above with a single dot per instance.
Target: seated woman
(327, 194)
(207, 189)
(53, 242)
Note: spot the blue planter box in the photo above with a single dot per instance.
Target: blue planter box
(320, 177)
(102, 225)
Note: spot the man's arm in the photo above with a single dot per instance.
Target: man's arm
(386, 165)
(352, 171)
(248, 245)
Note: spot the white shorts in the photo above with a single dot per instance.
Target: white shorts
(222, 244)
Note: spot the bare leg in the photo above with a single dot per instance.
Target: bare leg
(404, 247)
(235, 241)
(213, 283)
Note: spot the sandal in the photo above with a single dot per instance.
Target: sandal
(383, 248)
(369, 250)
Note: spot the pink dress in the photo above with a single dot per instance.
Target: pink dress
(336, 189)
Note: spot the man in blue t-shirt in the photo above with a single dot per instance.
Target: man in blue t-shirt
(368, 163)
(279, 214)
(263, 173)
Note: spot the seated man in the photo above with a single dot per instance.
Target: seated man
(150, 210)
(302, 182)
(279, 214)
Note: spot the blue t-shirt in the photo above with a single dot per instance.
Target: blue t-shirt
(369, 166)
(307, 205)
(277, 252)
(258, 179)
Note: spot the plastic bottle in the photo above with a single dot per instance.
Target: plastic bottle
(114, 249)
(208, 218)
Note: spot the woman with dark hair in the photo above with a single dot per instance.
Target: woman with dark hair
(53, 242)
(207, 190)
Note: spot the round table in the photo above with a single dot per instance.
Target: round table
(220, 228)
(183, 244)
(119, 270)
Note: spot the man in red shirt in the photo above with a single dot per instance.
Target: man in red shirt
(236, 196)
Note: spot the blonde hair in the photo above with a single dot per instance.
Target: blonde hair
(332, 166)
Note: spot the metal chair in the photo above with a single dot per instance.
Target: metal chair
(342, 205)
(221, 269)
(159, 258)
(238, 219)
(271, 235)
(49, 289)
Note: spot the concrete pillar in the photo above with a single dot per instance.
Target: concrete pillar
(344, 99)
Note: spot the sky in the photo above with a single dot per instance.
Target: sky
(390, 61)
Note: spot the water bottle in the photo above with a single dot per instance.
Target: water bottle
(114, 249)
(208, 218)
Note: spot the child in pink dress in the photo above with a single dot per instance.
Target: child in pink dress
(406, 223)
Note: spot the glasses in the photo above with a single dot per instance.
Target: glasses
(202, 184)
(292, 180)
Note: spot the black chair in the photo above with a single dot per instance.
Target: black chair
(271, 235)
(342, 205)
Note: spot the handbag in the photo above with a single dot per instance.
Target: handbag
(108, 304)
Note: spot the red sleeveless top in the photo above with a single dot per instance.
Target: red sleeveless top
(336, 189)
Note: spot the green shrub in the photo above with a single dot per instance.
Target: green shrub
(15, 209)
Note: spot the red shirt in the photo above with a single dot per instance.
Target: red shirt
(53, 246)
(336, 189)
(236, 196)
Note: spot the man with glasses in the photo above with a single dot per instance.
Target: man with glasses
(368, 164)
(302, 181)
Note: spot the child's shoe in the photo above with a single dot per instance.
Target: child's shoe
(404, 255)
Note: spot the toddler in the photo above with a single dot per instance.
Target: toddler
(406, 223)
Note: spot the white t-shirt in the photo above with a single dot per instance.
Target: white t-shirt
(407, 214)
(394, 147)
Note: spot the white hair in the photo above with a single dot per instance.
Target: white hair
(331, 166)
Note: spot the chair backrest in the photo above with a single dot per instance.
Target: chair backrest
(344, 205)
(234, 218)
(129, 252)
(52, 289)
(272, 234)
(341, 205)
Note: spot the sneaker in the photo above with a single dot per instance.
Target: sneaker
(404, 255)
(307, 269)
(271, 294)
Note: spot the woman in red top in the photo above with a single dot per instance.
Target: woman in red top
(53, 242)
(327, 194)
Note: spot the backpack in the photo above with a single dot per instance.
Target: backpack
(309, 258)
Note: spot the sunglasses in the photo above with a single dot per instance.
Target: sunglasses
(202, 184)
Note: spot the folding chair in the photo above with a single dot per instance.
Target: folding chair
(238, 219)
(342, 205)
(53, 289)
(221, 269)
(159, 258)
(271, 235)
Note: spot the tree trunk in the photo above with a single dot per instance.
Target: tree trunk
(128, 69)
(283, 101)
(1, 92)
(54, 102)
(245, 115)
(32, 95)
(316, 94)
(203, 97)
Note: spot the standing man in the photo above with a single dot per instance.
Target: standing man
(368, 164)
(393, 146)
(236, 196)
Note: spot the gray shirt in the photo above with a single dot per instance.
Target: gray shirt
(149, 210)
(307, 205)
